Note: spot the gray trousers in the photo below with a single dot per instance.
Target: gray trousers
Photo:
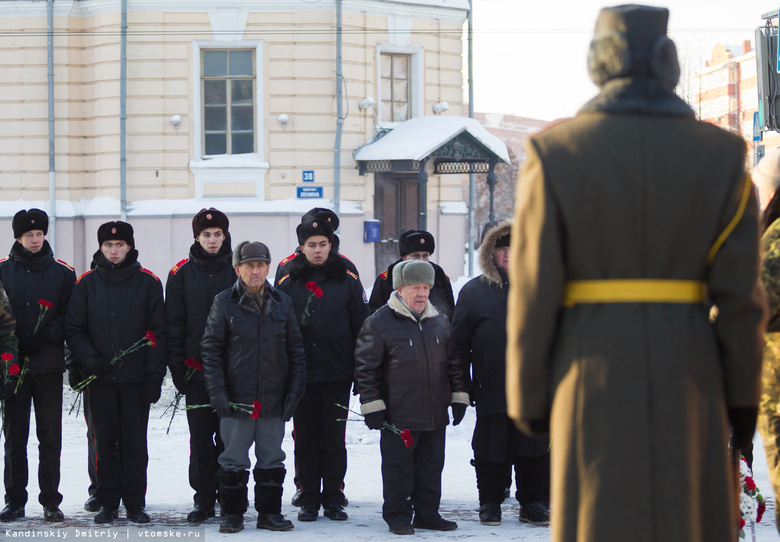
(238, 434)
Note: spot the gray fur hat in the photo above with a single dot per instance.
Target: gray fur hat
(630, 40)
(413, 272)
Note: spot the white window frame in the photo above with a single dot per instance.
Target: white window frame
(416, 79)
(228, 168)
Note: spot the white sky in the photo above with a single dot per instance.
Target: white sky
(530, 56)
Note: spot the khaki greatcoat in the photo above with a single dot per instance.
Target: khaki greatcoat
(637, 392)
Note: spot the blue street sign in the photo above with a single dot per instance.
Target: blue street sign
(308, 192)
(756, 127)
(308, 176)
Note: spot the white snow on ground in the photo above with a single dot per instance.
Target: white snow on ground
(169, 496)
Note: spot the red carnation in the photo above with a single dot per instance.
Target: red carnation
(761, 509)
(317, 292)
(256, 406)
(14, 369)
(408, 442)
(311, 285)
(406, 434)
(6, 356)
(44, 303)
(151, 339)
(255, 414)
(188, 362)
(741, 523)
(750, 485)
(198, 366)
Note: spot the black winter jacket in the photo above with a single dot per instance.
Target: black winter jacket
(331, 326)
(408, 368)
(441, 294)
(253, 355)
(28, 278)
(112, 307)
(189, 293)
(479, 327)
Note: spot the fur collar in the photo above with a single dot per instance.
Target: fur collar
(487, 250)
(638, 95)
(397, 304)
(333, 268)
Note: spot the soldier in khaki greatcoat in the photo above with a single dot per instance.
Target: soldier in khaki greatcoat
(631, 220)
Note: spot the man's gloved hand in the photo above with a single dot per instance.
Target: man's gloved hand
(290, 404)
(458, 411)
(96, 365)
(34, 344)
(743, 426)
(375, 420)
(220, 404)
(179, 380)
(152, 391)
(75, 375)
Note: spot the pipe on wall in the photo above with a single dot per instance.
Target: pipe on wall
(50, 81)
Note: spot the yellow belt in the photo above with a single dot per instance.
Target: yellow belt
(633, 291)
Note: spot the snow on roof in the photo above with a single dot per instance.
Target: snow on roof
(417, 138)
(103, 206)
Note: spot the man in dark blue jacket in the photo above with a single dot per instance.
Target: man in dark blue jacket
(116, 330)
(189, 292)
(330, 306)
(255, 376)
(39, 288)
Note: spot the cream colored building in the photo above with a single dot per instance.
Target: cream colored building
(229, 103)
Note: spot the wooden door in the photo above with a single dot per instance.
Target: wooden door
(397, 207)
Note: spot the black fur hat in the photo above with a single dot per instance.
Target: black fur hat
(416, 241)
(321, 213)
(209, 218)
(25, 221)
(116, 231)
(311, 227)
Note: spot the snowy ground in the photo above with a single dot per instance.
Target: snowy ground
(169, 496)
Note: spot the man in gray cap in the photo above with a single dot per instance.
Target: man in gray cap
(255, 374)
(610, 345)
(407, 373)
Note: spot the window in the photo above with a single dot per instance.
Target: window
(396, 88)
(228, 90)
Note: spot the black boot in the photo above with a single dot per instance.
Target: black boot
(232, 499)
(268, 499)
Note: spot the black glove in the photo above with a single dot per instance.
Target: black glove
(535, 428)
(96, 365)
(375, 420)
(290, 404)
(34, 343)
(743, 426)
(152, 391)
(178, 376)
(75, 376)
(458, 411)
(220, 404)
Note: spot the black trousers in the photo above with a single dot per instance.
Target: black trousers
(411, 477)
(44, 391)
(320, 449)
(205, 445)
(120, 417)
(91, 451)
(532, 477)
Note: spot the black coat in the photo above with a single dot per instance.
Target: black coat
(253, 355)
(441, 294)
(408, 368)
(189, 292)
(112, 307)
(28, 278)
(332, 325)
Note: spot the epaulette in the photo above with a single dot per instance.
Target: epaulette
(65, 264)
(288, 258)
(383, 275)
(3, 259)
(353, 275)
(145, 270)
(350, 261)
(176, 267)
(83, 275)
(281, 280)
